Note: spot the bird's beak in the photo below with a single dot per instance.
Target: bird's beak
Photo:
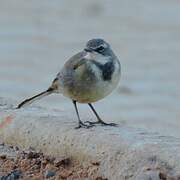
(88, 50)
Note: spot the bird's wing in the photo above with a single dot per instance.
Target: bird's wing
(76, 61)
(79, 63)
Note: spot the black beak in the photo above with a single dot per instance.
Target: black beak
(88, 50)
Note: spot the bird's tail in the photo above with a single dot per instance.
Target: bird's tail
(34, 98)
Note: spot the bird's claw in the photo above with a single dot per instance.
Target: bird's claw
(82, 125)
(101, 122)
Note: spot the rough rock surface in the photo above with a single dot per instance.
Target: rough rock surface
(121, 152)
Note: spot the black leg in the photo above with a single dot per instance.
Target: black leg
(81, 124)
(100, 121)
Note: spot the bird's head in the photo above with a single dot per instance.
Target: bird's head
(98, 46)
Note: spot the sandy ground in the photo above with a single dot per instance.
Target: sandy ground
(18, 164)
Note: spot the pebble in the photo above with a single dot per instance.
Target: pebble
(49, 174)
(101, 178)
(31, 155)
(64, 173)
(3, 156)
(61, 161)
(14, 175)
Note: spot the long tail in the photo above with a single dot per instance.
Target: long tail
(34, 98)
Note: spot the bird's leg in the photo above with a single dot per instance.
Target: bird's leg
(81, 124)
(100, 121)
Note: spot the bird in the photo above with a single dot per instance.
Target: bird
(87, 77)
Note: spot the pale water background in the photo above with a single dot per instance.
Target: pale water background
(37, 37)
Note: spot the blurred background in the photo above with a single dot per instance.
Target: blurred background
(37, 37)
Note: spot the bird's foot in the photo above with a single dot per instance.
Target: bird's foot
(101, 122)
(83, 125)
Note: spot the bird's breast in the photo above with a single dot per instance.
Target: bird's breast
(92, 81)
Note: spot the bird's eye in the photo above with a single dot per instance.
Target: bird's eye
(100, 49)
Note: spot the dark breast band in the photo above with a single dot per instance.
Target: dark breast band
(107, 69)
